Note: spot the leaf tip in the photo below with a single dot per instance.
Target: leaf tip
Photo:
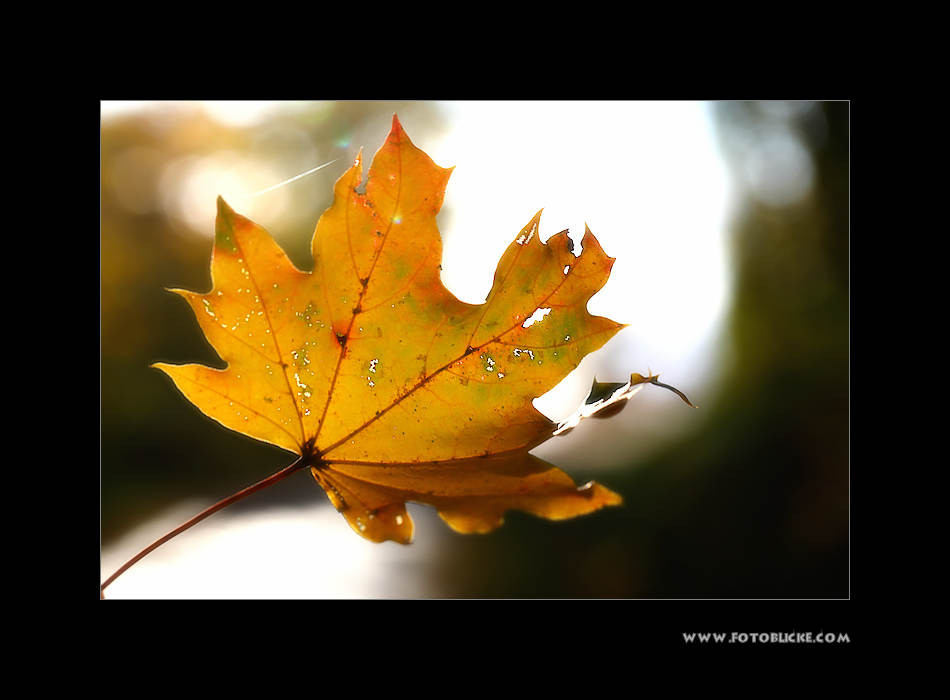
(396, 133)
(603, 495)
(224, 208)
(589, 241)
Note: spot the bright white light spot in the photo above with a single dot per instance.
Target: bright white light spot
(535, 317)
(779, 171)
(649, 181)
(190, 187)
(274, 553)
(240, 113)
(232, 113)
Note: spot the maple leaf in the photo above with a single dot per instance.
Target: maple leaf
(389, 387)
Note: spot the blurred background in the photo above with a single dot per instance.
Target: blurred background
(729, 223)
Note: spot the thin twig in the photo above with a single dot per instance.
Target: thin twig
(272, 479)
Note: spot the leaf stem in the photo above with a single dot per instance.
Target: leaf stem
(303, 461)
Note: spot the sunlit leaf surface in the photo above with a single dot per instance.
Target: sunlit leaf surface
(394, 389)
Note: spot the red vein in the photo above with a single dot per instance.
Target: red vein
(425, 463)
(349, 237)
(284, 366)
(251, 409)
(233, 335)
(471, 379)
(422, 382)
(438, 398)
(409, 281)
(491, 297)
(435, 334)
(555, 345)
(359, 301)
